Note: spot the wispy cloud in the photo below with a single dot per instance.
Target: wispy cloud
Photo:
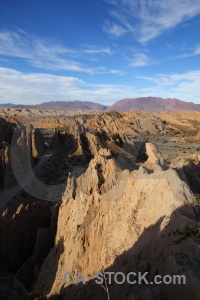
(190, 53)
(32, 88)
(114, 29)
(139, 60)
(98, 50)
(48, 54)
(147, 19)
(185, 86)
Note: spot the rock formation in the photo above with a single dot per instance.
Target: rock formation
(18, 233)
(124, 222)
(34, 142)
(10, 288)
(122, 207)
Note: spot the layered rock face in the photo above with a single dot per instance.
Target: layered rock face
(125, 222)
(34, 142)
(123, 209)
(27, 235)
(18, 233)
(6, 131)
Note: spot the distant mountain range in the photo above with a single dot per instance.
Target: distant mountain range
(125, 105)
(76, 104)
(8, 105)
(153, 104)
(84, 105)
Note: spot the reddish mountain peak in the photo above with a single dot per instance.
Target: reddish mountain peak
(153, 104)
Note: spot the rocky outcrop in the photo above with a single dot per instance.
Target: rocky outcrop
(7, 176)
(44, 241)
(123, 221)
(27, 136)
(155, 159)
(188, 168)
(123, 209)
(10, 288)
(37, 143)
(6, 131)
(33, 140)
(18, 232)
(36, 296)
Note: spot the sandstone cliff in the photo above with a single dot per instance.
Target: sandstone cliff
(34, 142)
(123, 221)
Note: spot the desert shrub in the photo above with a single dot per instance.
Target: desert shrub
(146, 139)
(197, 198)
(189, 159)
(189, 231)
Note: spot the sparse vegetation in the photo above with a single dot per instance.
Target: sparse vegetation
(197, 198)
(105, 285)
(189, 231)
(146, 139)
(188, 159)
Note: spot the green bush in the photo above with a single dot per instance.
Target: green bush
(197, 198)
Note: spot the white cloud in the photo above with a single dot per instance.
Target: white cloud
(197, 51)
(139, 60)
(147, 19)
(19, 87)
(114, 29)
(49, 55)
(98, 50)
(184, 86)
(32, 88)
(194, 52)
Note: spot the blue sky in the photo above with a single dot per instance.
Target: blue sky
(100, 51)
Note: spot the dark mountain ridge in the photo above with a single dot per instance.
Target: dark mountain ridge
(124, 105)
